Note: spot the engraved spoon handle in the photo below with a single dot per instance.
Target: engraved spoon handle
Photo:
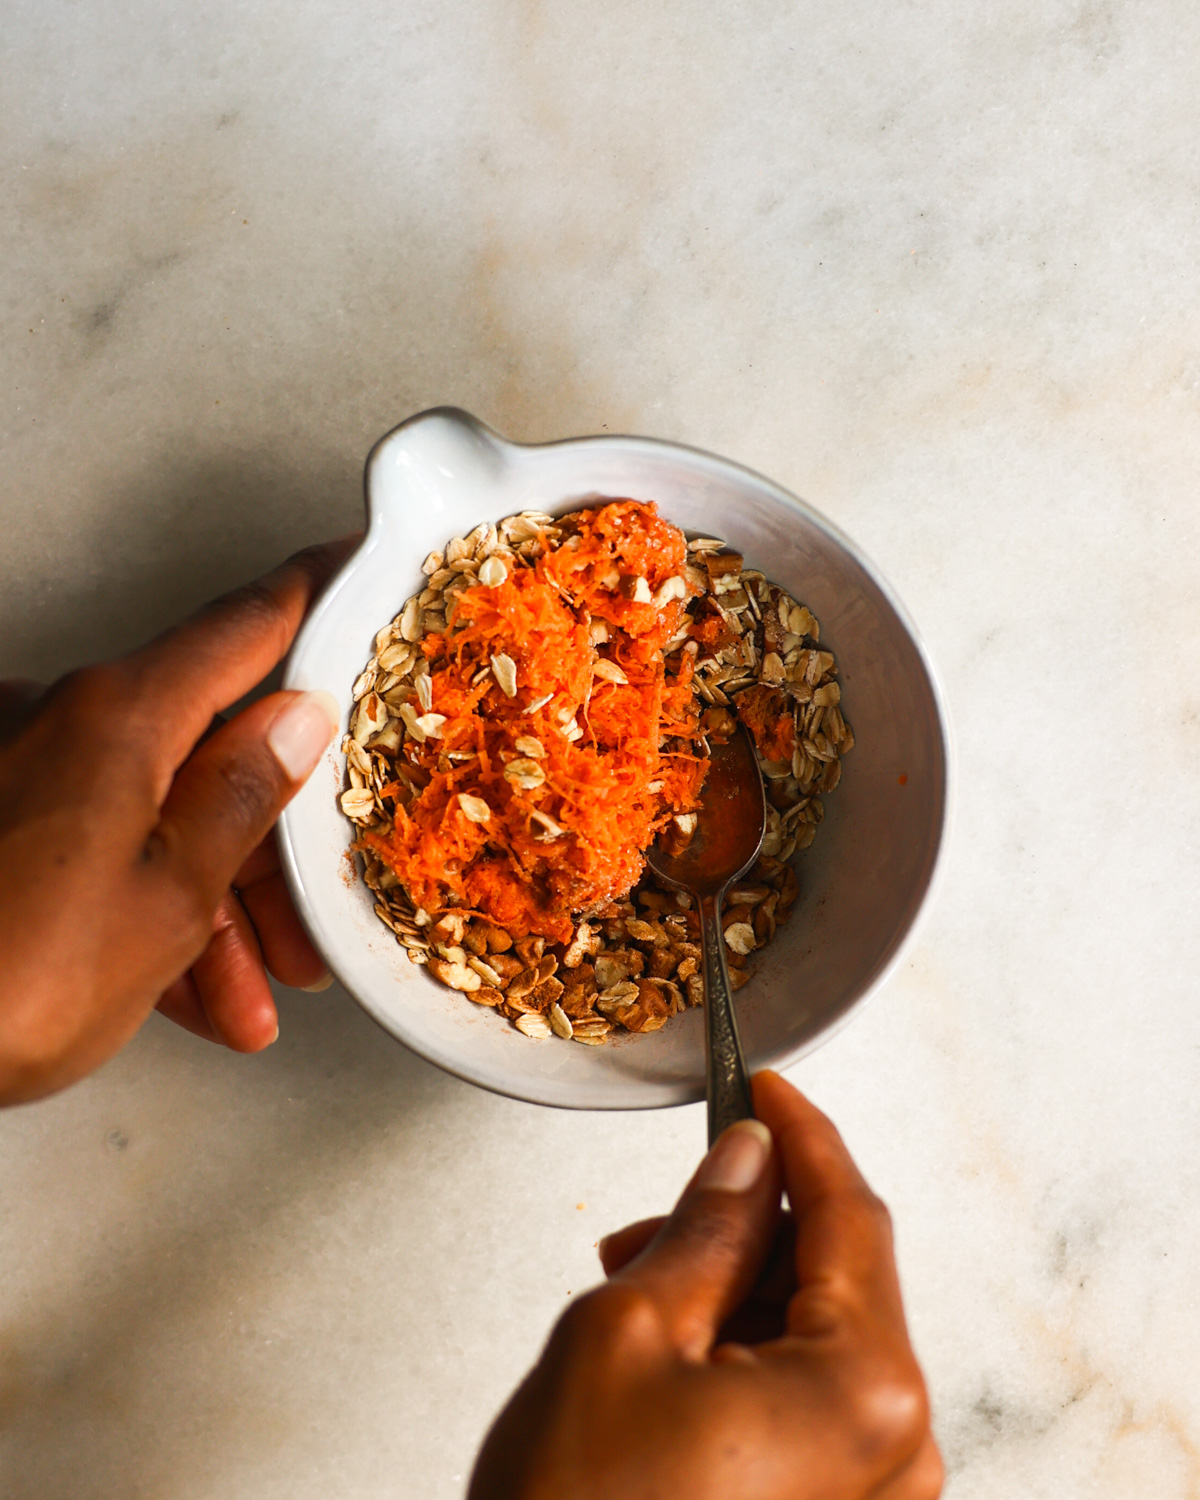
(728, 1086)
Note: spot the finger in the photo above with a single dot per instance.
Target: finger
(180, 1003)
(228, 795)
(232, 983)
(762, 1315)
(260, 864)
(844, 1250)
(704, 1259)
(196, 669)
(287, 949)
(619, 1248)
(920, 1479)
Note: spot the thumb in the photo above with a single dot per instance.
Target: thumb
(230, 790)
(703, 1261)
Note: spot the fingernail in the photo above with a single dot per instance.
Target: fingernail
(300, 732)
(737, 1160)
(321, 984)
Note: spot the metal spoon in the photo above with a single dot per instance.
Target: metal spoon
(731, 820)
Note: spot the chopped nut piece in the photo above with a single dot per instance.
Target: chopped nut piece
(457, 976)
(661, 963)
(505, 965)
(670, 588)
(584, 943)
(448, 928)
(610, 970)
(747, 895)
(740, 937)
(721, 564)
(530, 949)
(551, 829)
(369, 718)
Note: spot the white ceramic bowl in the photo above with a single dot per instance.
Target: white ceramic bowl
(862, 882)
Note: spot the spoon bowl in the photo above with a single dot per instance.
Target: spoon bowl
(730, 824)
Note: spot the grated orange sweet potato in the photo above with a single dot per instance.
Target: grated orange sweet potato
(566, 828)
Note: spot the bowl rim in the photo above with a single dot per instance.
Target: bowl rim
(702, 458)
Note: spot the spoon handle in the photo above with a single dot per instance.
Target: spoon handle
(728, 1086)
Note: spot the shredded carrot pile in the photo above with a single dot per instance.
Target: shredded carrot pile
(531, 834)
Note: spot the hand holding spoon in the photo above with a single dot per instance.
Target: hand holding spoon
(730, 823)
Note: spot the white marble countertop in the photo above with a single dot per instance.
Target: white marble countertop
(934, 267)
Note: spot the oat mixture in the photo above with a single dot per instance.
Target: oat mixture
(504, 797)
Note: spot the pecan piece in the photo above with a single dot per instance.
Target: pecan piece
(530, 949)
(662, 963)
(457, 976)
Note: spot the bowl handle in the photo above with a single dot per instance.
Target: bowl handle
(435, 461)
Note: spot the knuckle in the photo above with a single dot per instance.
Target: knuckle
(708, 1226)
(606, 1319)
(890, 1410)
(102, 704)
(312, 561)
(256, 600)
(104, 690)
